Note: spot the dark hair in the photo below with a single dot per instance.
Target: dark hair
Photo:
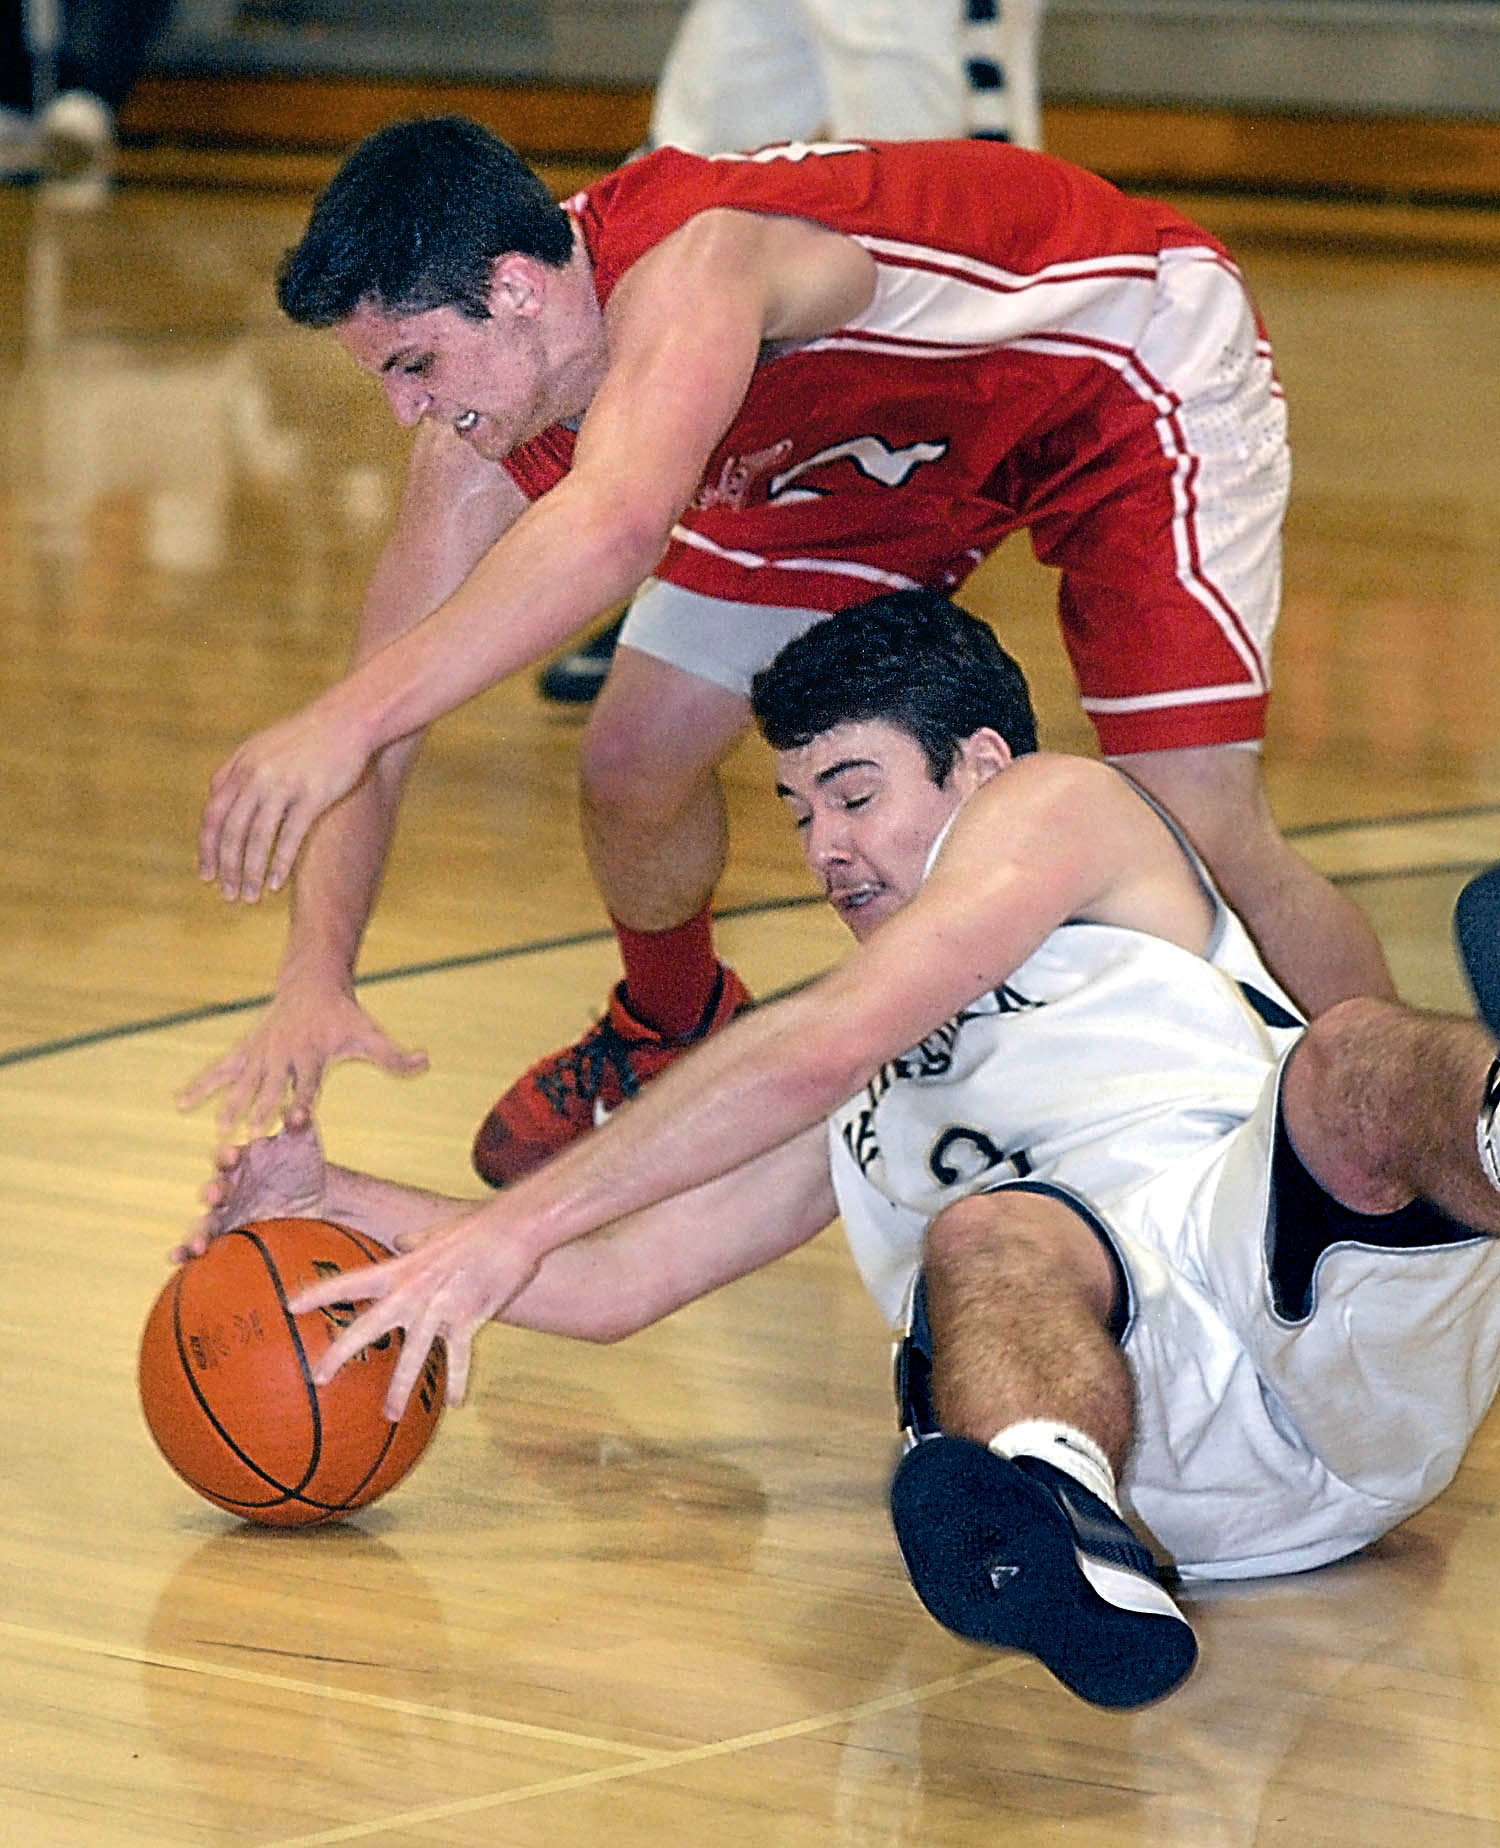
(414, 219)
(914, 660)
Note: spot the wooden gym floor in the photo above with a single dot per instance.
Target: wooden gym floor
(648, 1594)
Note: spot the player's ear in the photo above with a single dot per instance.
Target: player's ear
(516, 285)
(983, 754)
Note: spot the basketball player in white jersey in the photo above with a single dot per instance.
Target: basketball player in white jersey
(1168, 1262)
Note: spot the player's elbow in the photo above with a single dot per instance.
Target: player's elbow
(627, 524)
(634, 538)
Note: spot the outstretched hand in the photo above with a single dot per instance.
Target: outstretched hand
(263, 800)
(278, 1067)
(278, 1177)
(458, 1276)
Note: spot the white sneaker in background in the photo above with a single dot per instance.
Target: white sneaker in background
(78, 150)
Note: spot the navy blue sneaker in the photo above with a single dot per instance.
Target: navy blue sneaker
(1476, 925)
(575, 678)
(1019, 1555)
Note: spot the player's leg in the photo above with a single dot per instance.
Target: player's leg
(1385, 1106)
(1317, 942)
(656, 837)
(1019, 1404)
(739, 73)
(1001, 44)
(890, 68)
(1170, 548)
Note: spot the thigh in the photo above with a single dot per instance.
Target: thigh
(891, 67)
(711, 638)
(739, 73)
(1169, 545)
(657, 727)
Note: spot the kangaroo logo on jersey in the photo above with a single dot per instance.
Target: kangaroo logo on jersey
(873, 456)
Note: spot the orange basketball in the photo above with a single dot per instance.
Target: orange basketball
(227, 1390)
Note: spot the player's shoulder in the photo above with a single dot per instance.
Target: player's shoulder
(1051, 804)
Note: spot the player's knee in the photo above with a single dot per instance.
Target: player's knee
(1343, 1103)
(1029, 1228)
(620, 771)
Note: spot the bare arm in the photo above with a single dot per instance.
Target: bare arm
(454, 508)
(1047, 840)
(684, 333)
(619, 1279)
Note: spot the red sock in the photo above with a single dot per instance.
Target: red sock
(669, 974)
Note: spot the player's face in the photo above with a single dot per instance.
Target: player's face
(489, 381)
(868, 812)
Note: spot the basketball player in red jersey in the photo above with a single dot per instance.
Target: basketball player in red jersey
(750, 390)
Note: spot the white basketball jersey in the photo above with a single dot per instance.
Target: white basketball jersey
(1108, 1057)
(1144, 1080)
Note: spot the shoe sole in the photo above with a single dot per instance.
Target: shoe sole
(994, 1559)
(1476, 925)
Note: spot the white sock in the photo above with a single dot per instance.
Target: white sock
(1066, 1448)
(1484, 1129)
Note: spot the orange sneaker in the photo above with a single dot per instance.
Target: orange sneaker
(564, 1095)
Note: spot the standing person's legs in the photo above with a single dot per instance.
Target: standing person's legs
(104, 49)
(1001, 43)
(739, 73)
(1020, 1404)
(890, 68)
(105, 45)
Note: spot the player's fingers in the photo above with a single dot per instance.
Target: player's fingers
(417, 1344)
(306, 1082)
(369, 1283)
(214, 1193)
(294, 824)
(458, 1368)
(212, 1078)
(404, 1377)
(260, 838)
(361, 1333)
(263, 1108)
(223, 787)
(400, 1061)
(228, 1156)
(227, 816)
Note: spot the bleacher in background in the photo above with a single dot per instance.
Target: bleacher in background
(1365, 98)
(1381, 56)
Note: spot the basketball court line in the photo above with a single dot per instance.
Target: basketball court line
(317, 1691)
(664, 1761)
(638, 1759)
(1346, 852)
